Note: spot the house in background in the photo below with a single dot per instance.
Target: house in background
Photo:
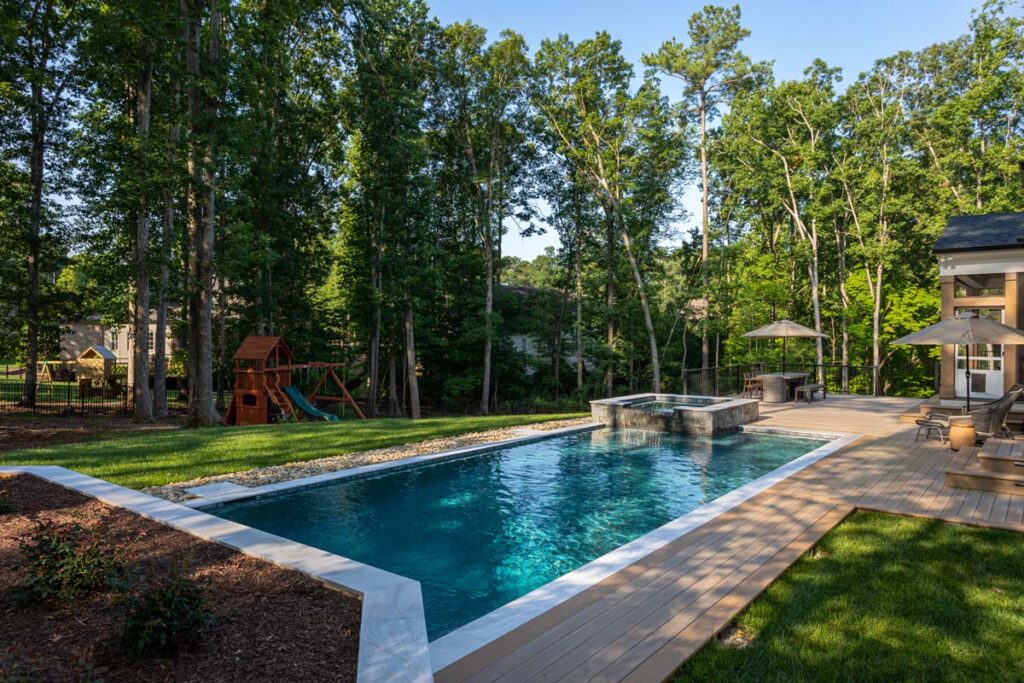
(981, 267)
(78, 336)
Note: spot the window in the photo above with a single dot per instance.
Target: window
(982, 356)
(979, 285)
(112, 343)
(150, 340)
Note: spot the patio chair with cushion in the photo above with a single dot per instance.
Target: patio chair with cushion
(989, 418)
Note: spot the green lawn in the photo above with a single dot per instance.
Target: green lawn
(154, 458)
(886, 598)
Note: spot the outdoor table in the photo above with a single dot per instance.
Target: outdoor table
(778, 386)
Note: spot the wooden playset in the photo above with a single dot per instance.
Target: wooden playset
(264, 391)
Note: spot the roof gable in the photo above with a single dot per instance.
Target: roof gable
(982, 232)
(260, 348)
(98, 352)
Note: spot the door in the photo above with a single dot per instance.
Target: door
(984, 360)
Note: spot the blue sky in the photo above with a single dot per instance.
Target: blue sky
(850, 34)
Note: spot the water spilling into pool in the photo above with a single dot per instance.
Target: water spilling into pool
(481, 531)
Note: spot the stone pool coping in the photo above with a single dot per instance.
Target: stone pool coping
(392, 632)
(461, 642)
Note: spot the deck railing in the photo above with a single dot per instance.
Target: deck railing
(726, 380)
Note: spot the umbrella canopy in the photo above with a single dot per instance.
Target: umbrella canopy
(966, 327)
(784, 329)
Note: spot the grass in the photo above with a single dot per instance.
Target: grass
(162, 457)
(885, 598)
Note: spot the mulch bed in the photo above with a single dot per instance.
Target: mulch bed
(269, 623)
(32, 431)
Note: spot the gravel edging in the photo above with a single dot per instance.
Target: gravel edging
(297, 470)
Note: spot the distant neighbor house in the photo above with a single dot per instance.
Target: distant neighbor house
(981, 266)
(78, 336)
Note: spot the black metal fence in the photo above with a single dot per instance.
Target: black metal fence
(68, 398)
(726, 380)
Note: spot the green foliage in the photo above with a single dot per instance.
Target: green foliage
(162, 614)
(62, 563)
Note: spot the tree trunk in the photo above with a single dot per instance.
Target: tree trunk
(579, 316)
(160, 338)
(202, 210)
(373, 359)
(645, 306)
(410, 358)
(35, 218)
(140, 256)
(705, 235)
(485, 393)
(609, 293)
(394, 409)
(222, 343)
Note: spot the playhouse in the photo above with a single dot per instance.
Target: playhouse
(264, 391)
(96, 363)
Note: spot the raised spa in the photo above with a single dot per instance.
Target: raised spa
(479, 531)
(697, 415)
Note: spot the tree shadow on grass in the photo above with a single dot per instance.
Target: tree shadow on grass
(886, 598)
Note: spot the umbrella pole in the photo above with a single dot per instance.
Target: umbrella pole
(783, 355)
(967, 374)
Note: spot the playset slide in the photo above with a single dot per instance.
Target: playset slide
(302, 404)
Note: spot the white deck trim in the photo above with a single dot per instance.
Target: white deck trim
(461, 642)
(392, 632)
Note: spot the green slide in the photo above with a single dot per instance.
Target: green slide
(302, 404)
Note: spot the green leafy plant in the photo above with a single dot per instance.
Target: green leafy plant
(63, 562)
(163, 614)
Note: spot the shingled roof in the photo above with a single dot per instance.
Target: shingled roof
(981, 233)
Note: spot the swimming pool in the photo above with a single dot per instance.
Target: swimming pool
(480, 531)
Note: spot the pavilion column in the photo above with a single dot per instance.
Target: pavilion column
(1011, 317)
(947, 367)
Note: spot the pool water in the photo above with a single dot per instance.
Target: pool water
(670, 406)
(481, 531)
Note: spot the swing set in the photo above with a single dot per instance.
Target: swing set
(264, 391)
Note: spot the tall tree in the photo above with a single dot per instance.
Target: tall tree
(713, 70)
(40, 63)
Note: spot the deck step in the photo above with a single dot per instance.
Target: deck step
(984, 480)
(1002, 455)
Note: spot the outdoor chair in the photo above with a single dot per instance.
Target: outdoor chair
(752, 385)
(989, 418)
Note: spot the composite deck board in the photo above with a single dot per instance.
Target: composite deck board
(644, 621)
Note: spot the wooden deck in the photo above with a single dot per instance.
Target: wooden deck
(643, 622)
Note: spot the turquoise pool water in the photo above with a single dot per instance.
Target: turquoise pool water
(670, 406)
(481, 531)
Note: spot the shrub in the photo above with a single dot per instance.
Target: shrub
(7, 504)
(65, 562)
(163, 614)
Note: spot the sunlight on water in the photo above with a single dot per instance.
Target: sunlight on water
(481, 531)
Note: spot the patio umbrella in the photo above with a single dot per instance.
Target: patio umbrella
(784, 329)
(967, 328)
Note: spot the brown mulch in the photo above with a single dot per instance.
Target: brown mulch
(269, 623)
(32, 431)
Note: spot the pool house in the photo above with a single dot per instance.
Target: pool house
(981, 266)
